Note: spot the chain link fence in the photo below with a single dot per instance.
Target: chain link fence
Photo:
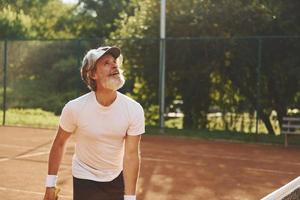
(236, 84)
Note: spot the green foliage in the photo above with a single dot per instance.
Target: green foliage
(212, 75)
(25, 5)
(141, 66)
(30, 117)
(96, 19)
(51, 21)
(206, 75)
(13, 24)
(34, 19)
(44, 78)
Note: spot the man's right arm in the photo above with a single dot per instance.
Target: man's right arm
(55, 157)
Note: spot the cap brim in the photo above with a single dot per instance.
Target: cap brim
(115, 51)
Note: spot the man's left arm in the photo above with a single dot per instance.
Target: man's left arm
(131, 165)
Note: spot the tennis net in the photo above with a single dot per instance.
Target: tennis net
(290, 191)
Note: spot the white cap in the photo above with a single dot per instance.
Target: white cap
(94, 54)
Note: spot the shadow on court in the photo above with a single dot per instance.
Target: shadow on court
(172, 168)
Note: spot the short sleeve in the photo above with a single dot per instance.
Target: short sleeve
(137, 121)
(67, 118)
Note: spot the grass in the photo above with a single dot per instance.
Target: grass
(43, 119)
(30, 117)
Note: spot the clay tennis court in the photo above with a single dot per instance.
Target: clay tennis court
(172, 168)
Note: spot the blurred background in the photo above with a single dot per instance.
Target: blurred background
(232, 66)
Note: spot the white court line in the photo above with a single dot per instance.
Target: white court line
(30, 192)
(270, 171)
(229, 157)
(15, 146)
(25, 156)
(171, 161)
(29, 147)
(167, 160)
(245, 159)
(33, 154)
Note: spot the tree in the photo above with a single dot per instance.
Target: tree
(203, 60)
(278, 74)
(22, 19)
(141, 67)
(215, 73)
(45, 75)
(95, 19)
(13, 24)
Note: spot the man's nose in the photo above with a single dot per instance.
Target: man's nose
(115, 65)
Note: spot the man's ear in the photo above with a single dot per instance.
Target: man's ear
(92, 75)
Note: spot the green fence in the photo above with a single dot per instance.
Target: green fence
(241, 84)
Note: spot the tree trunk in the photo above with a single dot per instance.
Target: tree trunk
(265, 118)
(280, 114)
(188, 120)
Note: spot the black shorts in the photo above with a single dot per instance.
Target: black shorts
(92, 190)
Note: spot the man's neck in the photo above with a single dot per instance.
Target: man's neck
(106, 97)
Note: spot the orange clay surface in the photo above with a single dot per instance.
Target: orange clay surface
(172, 168)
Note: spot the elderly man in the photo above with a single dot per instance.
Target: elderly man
(107, 126)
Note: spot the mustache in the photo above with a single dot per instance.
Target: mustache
(116, 72)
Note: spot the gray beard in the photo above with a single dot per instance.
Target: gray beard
(114, 82)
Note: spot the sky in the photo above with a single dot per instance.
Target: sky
(70, 1)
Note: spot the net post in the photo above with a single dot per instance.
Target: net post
(258, 69)
(4, 81)
(162, 67)
(285, 140)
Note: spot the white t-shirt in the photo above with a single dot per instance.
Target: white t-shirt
(100, 133)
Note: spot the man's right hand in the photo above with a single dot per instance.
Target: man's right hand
(50, 194)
